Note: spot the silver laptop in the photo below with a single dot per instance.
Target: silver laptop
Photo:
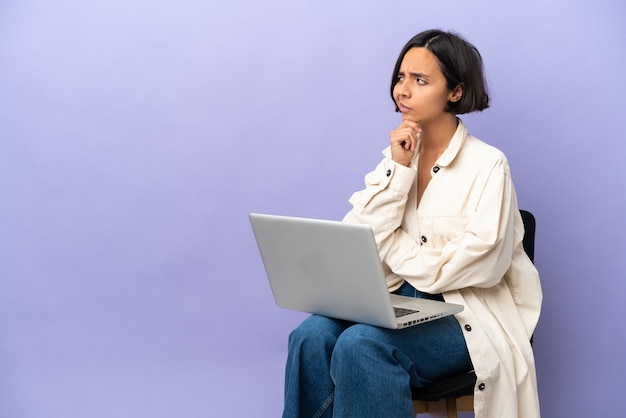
(333, 269)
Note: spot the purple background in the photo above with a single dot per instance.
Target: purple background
(137, 135)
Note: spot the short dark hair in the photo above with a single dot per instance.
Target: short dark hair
(459, 61)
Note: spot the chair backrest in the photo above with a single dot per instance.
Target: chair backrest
(529, 240)
(529, 234)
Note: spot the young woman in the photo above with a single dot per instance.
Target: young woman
(444, 213)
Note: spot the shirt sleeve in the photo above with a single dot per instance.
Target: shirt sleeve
(381, 204)
(480, 253)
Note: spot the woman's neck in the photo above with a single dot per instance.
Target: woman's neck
(436, 136)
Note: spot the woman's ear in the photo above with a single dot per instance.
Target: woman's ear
(456, 93)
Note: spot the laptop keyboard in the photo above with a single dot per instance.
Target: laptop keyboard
(400, 312)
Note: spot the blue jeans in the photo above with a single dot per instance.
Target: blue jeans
(341, 369)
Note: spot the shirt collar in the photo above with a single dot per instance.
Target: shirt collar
(455, 145)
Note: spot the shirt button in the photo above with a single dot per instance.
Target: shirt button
(481, 386)
(424, 239)
(388, 173)
(468, 327)
(436, 169)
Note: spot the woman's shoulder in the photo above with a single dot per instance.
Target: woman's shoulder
(481, 149)
(482, 156)
(476, 148)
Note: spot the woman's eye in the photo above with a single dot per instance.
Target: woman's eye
(421, 82)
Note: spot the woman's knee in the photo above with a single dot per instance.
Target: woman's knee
(368, 348)
(358, 342)
(315, 331)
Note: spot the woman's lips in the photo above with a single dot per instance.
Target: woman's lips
(403, 108)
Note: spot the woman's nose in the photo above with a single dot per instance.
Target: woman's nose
(402, 89)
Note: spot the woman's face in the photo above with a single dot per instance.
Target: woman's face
(421, 92)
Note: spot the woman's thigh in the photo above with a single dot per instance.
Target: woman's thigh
(428, 351)
(432, 349)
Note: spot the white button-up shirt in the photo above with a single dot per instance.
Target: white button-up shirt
(464, 241)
